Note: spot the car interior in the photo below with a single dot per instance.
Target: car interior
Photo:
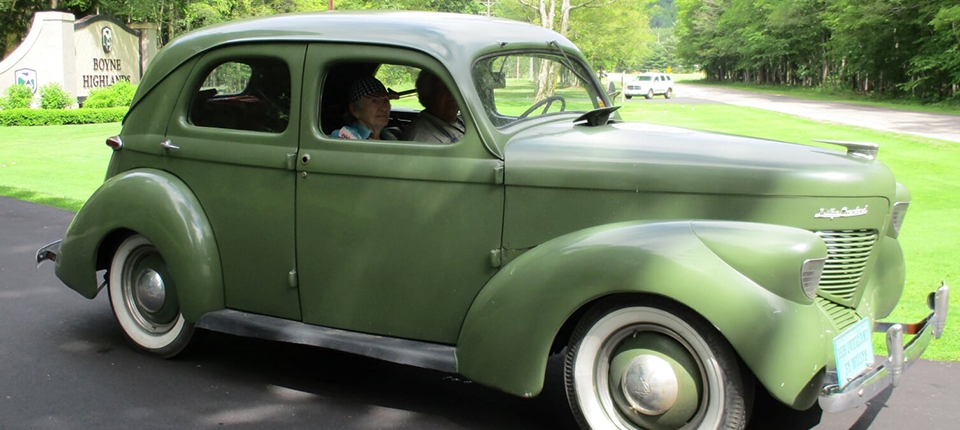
(261, 103)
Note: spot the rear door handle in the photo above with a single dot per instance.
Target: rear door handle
(166, 144)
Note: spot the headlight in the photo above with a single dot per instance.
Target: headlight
(810, 274)
(899, 211)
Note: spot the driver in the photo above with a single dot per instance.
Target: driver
(438, 122)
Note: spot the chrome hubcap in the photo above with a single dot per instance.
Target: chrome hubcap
(150, 291)
(650, 385)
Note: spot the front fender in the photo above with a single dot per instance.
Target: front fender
(510, 328)
(162, 208)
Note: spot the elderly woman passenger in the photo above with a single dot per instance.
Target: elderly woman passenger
(368, 112)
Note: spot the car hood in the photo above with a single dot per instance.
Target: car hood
(653, 158)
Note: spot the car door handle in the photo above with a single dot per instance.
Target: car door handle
(166, 144)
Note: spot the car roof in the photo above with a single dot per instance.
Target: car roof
(452, 38)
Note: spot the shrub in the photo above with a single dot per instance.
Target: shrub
(18, 96)
(14, 117)
(53, 96)
(116, 95)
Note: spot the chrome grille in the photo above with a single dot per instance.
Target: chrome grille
(847, 254)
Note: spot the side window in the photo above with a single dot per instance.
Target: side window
(250, 94)
(418, 105)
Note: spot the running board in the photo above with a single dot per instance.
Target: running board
(401, 351)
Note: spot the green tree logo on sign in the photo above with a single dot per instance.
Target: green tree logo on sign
(27, 77)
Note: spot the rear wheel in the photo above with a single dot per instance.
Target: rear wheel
(656, 366)
(668, 94)
(144, 299)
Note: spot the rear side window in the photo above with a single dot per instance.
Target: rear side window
(250, 94)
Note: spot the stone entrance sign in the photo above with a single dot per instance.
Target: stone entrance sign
(80, 55)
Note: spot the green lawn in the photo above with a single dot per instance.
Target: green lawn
(55, 165)
(62, 165)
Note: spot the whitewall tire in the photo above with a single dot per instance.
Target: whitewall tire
(144, 299)
(656, 366)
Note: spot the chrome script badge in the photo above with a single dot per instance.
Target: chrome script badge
(841, 213)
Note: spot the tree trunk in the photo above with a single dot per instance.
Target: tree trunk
(825, 74)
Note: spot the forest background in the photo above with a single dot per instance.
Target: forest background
(904, 49)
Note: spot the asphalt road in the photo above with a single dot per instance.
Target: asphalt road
(937, 126)
(65, 365)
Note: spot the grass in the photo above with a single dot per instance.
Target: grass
(926, 166)
(58, 166)
(62, 165)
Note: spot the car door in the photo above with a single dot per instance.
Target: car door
(393, 237)
(233, 140)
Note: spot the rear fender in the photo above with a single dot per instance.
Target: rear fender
(742, 277)
(160, 207)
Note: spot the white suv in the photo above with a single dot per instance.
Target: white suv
(650, 84)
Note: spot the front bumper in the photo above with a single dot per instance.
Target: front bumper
(833, 398)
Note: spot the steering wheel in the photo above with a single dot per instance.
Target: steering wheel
(546, 105)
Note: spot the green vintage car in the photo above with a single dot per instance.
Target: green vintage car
(676, 271)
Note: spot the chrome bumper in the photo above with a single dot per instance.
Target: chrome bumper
(48, 252)
(866, 386)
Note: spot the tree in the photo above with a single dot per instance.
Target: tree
(609, 32)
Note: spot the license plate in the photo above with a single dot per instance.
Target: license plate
(853, 349)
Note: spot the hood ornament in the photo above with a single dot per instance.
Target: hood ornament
(843, 212)
(865, 150)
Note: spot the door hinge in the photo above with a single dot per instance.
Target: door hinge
(292, 161)
(496, 258)
(292, 279)
(498, 174)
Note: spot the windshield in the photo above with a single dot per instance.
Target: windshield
(518, 85)
(644, 78)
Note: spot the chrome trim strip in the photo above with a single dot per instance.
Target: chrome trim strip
(402, 351)
(48, 252)
(868, 385)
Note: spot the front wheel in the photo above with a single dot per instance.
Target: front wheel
(654, 366)
(144, 299)
(649, 94)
